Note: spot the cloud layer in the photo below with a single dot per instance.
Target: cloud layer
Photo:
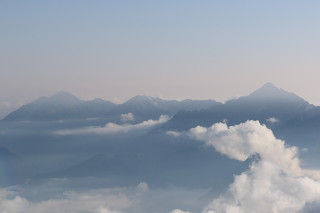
(96, 201)
(113, 128)
(275, 181)
(133, 199)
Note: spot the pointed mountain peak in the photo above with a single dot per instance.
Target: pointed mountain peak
(64, 95)
(269, 85)
(142, 99)
(61, 98)
(98, 100)
(270, 92)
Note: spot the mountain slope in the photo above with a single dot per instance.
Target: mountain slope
(55, 107)
(147, 107)
(267, 104)
(64, 106)
(61, 106)
(12, 170)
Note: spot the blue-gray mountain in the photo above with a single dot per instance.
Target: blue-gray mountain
(65, 106)
(268, 104)
(153, 156)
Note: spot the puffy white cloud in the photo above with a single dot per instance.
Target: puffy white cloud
(112, 128)
(239, 142)
(273, 120)
(127, 117)
(274, 183)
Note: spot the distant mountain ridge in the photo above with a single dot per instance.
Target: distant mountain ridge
(154, 156)
(264, 103)
(268, 104)
(64, 106)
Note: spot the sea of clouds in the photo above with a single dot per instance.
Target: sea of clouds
(275, 182)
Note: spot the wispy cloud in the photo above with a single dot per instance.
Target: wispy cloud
(112, 128)
(274, 182)
(133, 199)
(173, 133)
(273, 120)
(127, 117)
(95, 201)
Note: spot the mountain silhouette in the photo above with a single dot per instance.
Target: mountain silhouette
(270, 93)
(152, 156)
(65, 106)
(264, 103)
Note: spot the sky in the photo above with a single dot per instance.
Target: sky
(173, 49)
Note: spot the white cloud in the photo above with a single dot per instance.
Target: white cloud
(274, 183)
(112, 128)
(127, 117)
(173, 133)
(273, 120)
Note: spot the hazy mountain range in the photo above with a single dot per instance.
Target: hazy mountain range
(267, 102)
(57, 137)
(65, 106)
(275, 107)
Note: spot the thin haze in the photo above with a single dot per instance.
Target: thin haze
(170, 49)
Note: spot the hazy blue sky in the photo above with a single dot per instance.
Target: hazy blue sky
(170, 49)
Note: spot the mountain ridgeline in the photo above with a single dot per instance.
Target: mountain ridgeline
(150, 155)
(65, 106)
(270, 105)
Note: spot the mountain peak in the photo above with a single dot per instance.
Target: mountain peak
(60, 99)
(269, 85)
(143, 99)
(267, 89)
(270, 92)
(63, 95)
